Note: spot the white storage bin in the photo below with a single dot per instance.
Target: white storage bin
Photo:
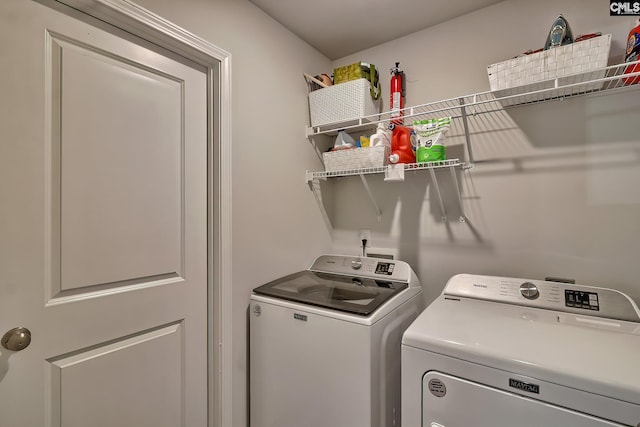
(343, 103)
(558, 62)
(355, 158)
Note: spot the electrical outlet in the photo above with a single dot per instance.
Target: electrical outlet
(365, 233)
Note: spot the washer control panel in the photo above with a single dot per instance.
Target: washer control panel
(566, 297)
(375, 268)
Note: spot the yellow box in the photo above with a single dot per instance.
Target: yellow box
(359, 70)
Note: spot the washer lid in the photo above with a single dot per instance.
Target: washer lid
(352, 294)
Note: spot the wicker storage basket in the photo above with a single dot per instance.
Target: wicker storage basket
(343, 103)
(574, 58)
(355, 158)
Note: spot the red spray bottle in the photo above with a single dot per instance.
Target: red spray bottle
(397, 95)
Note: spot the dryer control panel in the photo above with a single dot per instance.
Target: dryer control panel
(567, 297)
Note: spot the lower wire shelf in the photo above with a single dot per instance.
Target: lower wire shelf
(382, 169)
(312, 179)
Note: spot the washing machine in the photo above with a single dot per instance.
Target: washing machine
(497, 352)
(325, 343)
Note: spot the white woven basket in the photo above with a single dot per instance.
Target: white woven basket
(355, 158)
(343, 103)
(574, 58)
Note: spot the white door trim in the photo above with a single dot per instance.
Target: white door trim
(136, 20)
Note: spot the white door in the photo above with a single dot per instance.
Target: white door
(103, 226)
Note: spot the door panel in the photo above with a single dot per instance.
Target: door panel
(103, 226)
(119, 124)
(77, 378)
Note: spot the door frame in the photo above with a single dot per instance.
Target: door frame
(134, 19)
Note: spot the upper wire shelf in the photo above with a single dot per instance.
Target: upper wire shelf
(607, 80)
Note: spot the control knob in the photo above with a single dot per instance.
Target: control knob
(529, 290)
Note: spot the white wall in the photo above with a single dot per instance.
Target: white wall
(563, 201)
(277, 227)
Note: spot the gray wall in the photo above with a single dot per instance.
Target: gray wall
(570, 208)
(557, 194)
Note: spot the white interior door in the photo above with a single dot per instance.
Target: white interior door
(103, 226)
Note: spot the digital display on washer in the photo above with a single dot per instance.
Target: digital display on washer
(579, 299)
(385, 268)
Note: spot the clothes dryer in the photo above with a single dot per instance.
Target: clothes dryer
(325, 343)
(502, 352)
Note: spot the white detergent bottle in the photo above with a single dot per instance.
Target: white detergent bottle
(382, 137)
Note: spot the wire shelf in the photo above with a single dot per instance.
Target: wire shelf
(381, 169)
(605, 80)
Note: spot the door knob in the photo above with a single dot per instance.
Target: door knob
(17, 339)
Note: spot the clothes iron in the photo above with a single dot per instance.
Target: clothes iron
(560, 34)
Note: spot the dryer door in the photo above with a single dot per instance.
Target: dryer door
(450, 401)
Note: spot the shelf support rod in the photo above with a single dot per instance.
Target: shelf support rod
(370, 194)
(465, 123)
(314, 186)
(463, 217)
(437, 187)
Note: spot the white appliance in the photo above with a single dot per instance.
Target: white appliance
(325, 343)
(498, 352)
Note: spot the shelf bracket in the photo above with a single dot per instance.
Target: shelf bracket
(370, 194)
(437, 188)
(463, 217)
(314, 186)
(465, 123)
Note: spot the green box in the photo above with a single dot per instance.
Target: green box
(359, 70)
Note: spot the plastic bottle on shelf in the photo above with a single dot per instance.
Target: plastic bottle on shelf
(633, 54)
(382, 136)
(401, 147)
